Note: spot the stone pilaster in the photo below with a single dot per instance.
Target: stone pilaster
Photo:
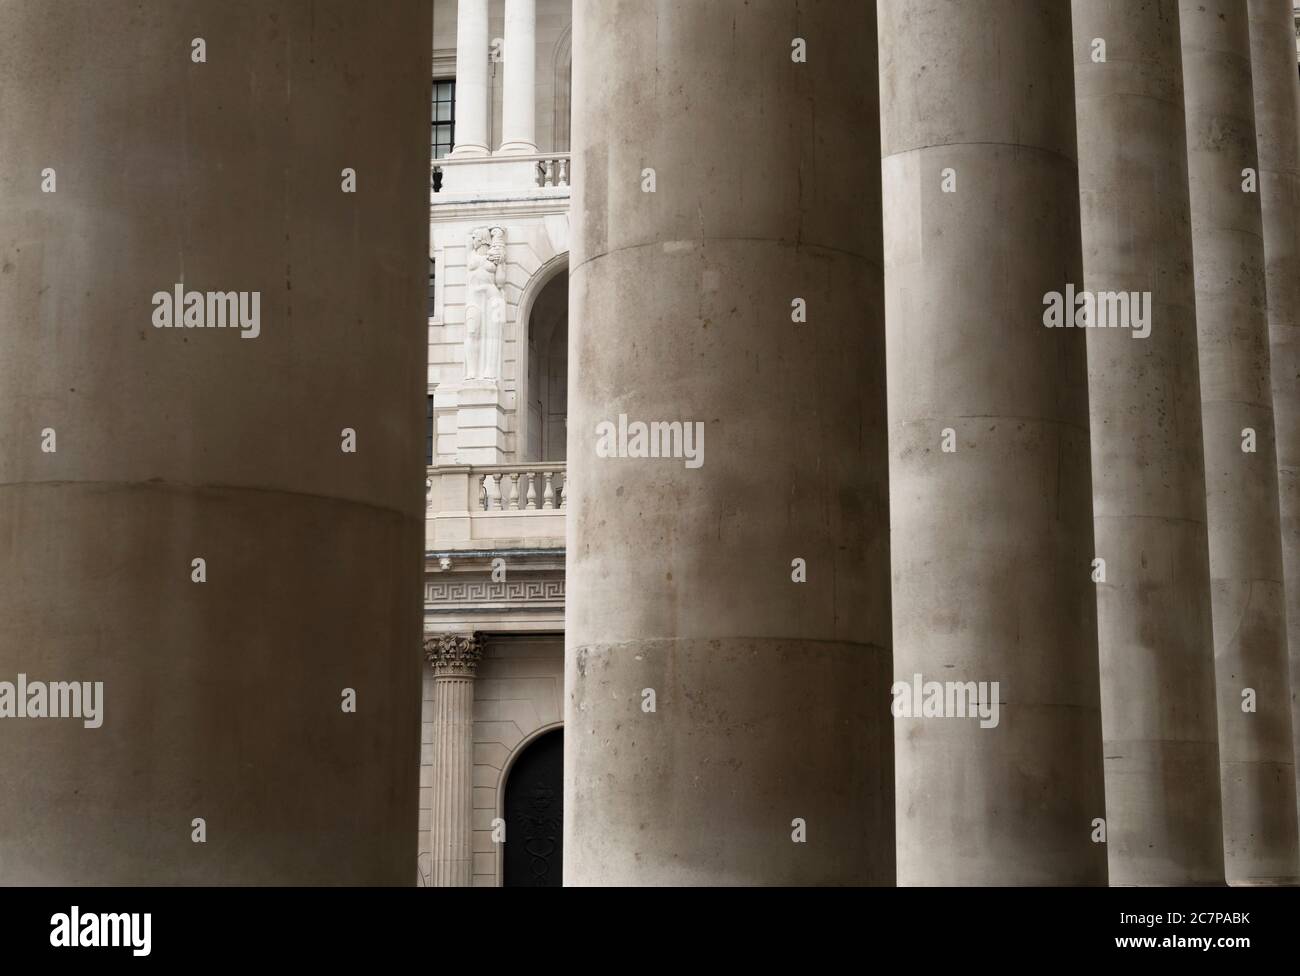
(990, 487)
(471, 79)
(519, 98)
(1249, 606)
(746, 587)
(215, 166)
(454, 659)
(1277, 108)
(1156, 641)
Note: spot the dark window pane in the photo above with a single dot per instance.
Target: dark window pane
(428, 427)
(444, 118)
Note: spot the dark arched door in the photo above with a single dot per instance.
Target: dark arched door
(535, 814)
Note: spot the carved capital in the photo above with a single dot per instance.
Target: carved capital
(453, 655)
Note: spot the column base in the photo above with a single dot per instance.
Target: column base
(469, 150)
(517, 148)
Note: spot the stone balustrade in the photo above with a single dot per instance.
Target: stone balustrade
(509, 487)
(526, 172)
(472, 505)
(553, 170)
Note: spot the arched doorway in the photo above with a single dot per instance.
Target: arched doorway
(548, 371)
(534, 814)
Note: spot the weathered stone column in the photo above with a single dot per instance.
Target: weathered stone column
(1155, 632)
(1257, 767)
(182, 517)
(990, 492)
(471, 79)
(1277, 108)
(519, 95)
(725, 723)
(454, 659)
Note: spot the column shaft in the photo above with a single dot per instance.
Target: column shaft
(224, 700)
(1277, 110)
(471, 78)
(1156, 640)
(454, 659)
(766, 757)
(1257, 768)
(990, 491)
(519, 99)
(452, 807)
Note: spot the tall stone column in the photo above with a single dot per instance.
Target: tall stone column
(1257, 767)
(1277, 109)
(990, 491)
(727, 660)
(471, 79)
(454, 659)
(1155, 632)
(182, 518)
(519, 97)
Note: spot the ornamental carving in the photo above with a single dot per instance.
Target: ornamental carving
(453, 655)
(480, 590)
(485, 302)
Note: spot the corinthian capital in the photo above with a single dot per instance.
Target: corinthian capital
(453, 654)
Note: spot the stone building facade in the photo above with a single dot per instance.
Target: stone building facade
(498, 434)
(817, 546)
(505, 177)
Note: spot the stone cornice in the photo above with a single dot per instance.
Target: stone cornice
(498, 207)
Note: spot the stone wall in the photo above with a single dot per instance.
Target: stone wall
(532, 240)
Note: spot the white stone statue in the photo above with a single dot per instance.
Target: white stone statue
(485, 302)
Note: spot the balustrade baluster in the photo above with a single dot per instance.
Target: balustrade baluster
(497, 491)
(548, 493)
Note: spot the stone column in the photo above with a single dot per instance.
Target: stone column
(454, 659)
(1257, 767)
(726, 724)
(1155, 633)
(519, 98)
(181, 520)
(471, 79)
(1277, 106)
(990, 491)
